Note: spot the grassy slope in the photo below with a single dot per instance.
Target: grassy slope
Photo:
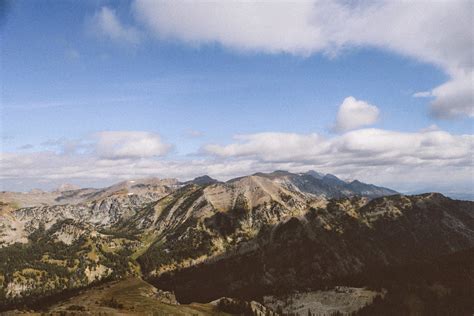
(136, 298)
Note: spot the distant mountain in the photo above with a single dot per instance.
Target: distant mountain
(309, 183)
(202, 180)
(328, 185)
(461, 196)
(315, 174)
(263, 234)
(69, 194)
(465, 196)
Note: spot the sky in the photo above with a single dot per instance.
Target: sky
(93, 92)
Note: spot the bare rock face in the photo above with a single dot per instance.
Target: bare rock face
(342, 299)
(236, 306)
(166, 297)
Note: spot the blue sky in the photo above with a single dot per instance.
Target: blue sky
(73, 70)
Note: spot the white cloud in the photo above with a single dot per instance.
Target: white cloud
(455, 97)
(423, 94)
(24, 171)
(359, 148)
(271, 147)
(106, 23)
(66, 146)
(278, 27)
(355, 113)
(126, 144)
(437, 32)
(405, 161)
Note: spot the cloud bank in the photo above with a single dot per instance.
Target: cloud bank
(436, 32)
(359, 149)
(396, 159)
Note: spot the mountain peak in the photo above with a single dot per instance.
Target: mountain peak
(202, 180)
(274, 174)
(314, 174)
(331, 176)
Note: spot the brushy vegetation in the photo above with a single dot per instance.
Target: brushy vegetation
(50, 267)
(235, 307)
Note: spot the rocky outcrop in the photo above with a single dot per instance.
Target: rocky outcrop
(341, 299)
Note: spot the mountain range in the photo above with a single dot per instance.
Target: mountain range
(240, 245)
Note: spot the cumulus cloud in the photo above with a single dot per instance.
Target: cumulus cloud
(404, 161)
(418, 29)
(130, 144)
(355, 113)
(275, 27)
(106, 23)
(438, 32)
(454, 98)
(360, 148)
(278, 147)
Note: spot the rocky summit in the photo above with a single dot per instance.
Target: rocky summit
(232, 246)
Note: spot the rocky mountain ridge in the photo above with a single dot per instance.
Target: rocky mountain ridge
(203, 239)
(310, 182)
